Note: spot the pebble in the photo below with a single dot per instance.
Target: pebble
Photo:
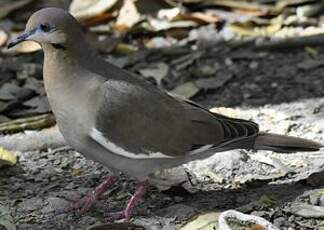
(180, 211)
(31, 204)
(321, 202)
(178, 199)
(53, 204)
(314, 198)
(280, 222)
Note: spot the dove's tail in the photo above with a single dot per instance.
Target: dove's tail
(282, 143)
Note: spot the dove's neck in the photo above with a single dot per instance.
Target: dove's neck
(69, 84)
(66, 71)
(78, 53)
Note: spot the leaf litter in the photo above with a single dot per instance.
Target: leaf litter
(202, 50)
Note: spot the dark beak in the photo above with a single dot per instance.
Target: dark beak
(19, 39)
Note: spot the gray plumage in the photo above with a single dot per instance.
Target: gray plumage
(125, 123)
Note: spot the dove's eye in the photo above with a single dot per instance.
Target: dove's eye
(45, 27)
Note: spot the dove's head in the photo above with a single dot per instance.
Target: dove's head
(52, 27)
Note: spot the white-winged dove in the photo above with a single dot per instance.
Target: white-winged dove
(125, 123)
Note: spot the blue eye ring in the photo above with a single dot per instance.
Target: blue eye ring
(45, 27)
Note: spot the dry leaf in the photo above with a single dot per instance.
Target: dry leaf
(159, 42)
(246, 6)
(226, 111)
(7, 157)
(3, 37)
(228, 216)
(151, 7)
(128, 16)
(186, 90)
(24, 47)
(199, 17)
(158, 72)
(6, 7)
(103, 43)
(168, 13)
(306, 210)
(27, 47)
(258, 227)
(158, 25)
(98, 19)
(248, 29)
(6, 219)
(204, 221)
(84, 9)
(178, 33)
(123, 48)
(213, 82)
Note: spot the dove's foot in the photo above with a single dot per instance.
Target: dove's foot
(129, 210)
(86, 202)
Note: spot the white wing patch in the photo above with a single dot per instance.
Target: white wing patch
(202, 149)
(112, 147)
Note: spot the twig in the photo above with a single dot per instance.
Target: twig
(29, 123)
(33, 140)
(296, 42)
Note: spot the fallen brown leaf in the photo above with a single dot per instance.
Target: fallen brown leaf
(84, 9)
(27, 47)
(258, 227)
(24, 47)
(199, 17)
(3, 37)
(128, 16)
(6, 7)
(178, 33)
(98, 19)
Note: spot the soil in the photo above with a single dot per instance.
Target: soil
(43, 181)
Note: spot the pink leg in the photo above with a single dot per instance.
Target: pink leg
(129, 210)
(85, 203)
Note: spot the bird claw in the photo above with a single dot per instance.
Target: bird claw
(130, 208)
(113, 216)
(83, 205)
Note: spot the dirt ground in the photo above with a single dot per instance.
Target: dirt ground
(43, 181)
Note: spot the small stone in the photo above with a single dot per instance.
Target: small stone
(38, 104)
(206, 70)
(228, 62)
(24, 94)
(240, 199)
(69, 195)
(321, 201)
(291, 219)
(316, 179)
(280, 222)
(3, 118)
(274, 84)
(314, 198)
(56, 162)
(178, 199)
(30, 204)
(54, 203)
(180, 211)
(259, 213)
(254, 65)
(8, 91)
